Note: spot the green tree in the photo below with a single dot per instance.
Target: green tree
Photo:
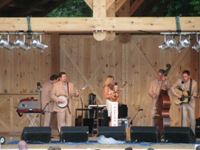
(183, 8)
(78, 8)
(72, 8)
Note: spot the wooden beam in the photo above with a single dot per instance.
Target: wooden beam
(114, 24)
(99, 11)
(136, 4)
(109, 3)
(110, 13)
(89, 3)
(99, 8)
(118, 4)
(4, 3)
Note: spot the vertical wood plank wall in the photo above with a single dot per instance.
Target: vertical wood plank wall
(88, 62)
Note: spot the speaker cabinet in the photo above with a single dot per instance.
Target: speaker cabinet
(85, 122)
(145, 134)
(118, 133)
(179, 135)
(197, 128)
(36, 134)
(123, 111)
(74, 134)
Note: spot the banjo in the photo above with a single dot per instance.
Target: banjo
(64, 104)
(65, 99)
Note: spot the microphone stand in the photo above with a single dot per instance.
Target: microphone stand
(131, 122)
(40, 97)
(45, 106)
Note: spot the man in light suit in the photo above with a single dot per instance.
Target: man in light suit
(154, 90)
(47, 103)
(189, 107)
(63, 88)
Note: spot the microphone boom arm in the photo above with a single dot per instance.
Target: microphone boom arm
(131, 121)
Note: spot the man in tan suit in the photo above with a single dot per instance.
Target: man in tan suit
(63, 88)
(188, 107)
(154, 90)
(47, 103)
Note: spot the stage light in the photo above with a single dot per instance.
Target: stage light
(21, 44)
(196, 46)
(183, 43)
(4, 43)
(38, 44)
(170, 43)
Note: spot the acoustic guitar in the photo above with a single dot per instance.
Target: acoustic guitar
(116, 96)
(185, 96)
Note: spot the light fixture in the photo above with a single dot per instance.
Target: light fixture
(4, 43)
(21, 43)
(183, 43)
(196, 46)
(38, 44)
(170, 43)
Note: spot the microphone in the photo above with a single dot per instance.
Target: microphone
(182, 84)
(116, 87)
(38, 85)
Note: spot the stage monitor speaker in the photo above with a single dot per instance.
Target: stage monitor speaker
(36, 134)
(118, 133)
(145, 134)
(179, 135)
(85, 122)
(197, 128)
(74, 134)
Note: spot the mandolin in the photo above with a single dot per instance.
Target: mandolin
(116, 92)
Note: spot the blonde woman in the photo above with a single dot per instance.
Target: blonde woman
(109, 93)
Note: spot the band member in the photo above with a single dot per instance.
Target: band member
(47, 104)
(154, 91)
(109, 93)
(63, 88)
(187, 107)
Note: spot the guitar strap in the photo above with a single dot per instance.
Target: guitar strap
(190, 90)
(68, 96)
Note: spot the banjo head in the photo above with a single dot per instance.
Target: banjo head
(64, 104)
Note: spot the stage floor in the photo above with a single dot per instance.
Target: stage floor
(95, 145)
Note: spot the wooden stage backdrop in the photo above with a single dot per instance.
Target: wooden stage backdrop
(88, 62)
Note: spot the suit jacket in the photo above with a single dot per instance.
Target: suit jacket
(186, 87)
(46, 91)
(155, 88)
(58, 90)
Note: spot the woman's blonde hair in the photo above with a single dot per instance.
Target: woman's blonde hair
(109, 80)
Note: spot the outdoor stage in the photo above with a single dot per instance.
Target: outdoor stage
(93, 144)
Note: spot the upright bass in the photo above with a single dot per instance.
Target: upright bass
(163, 105)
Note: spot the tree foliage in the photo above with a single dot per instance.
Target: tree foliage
(183, 8)
(78, 8)
(72, 8)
